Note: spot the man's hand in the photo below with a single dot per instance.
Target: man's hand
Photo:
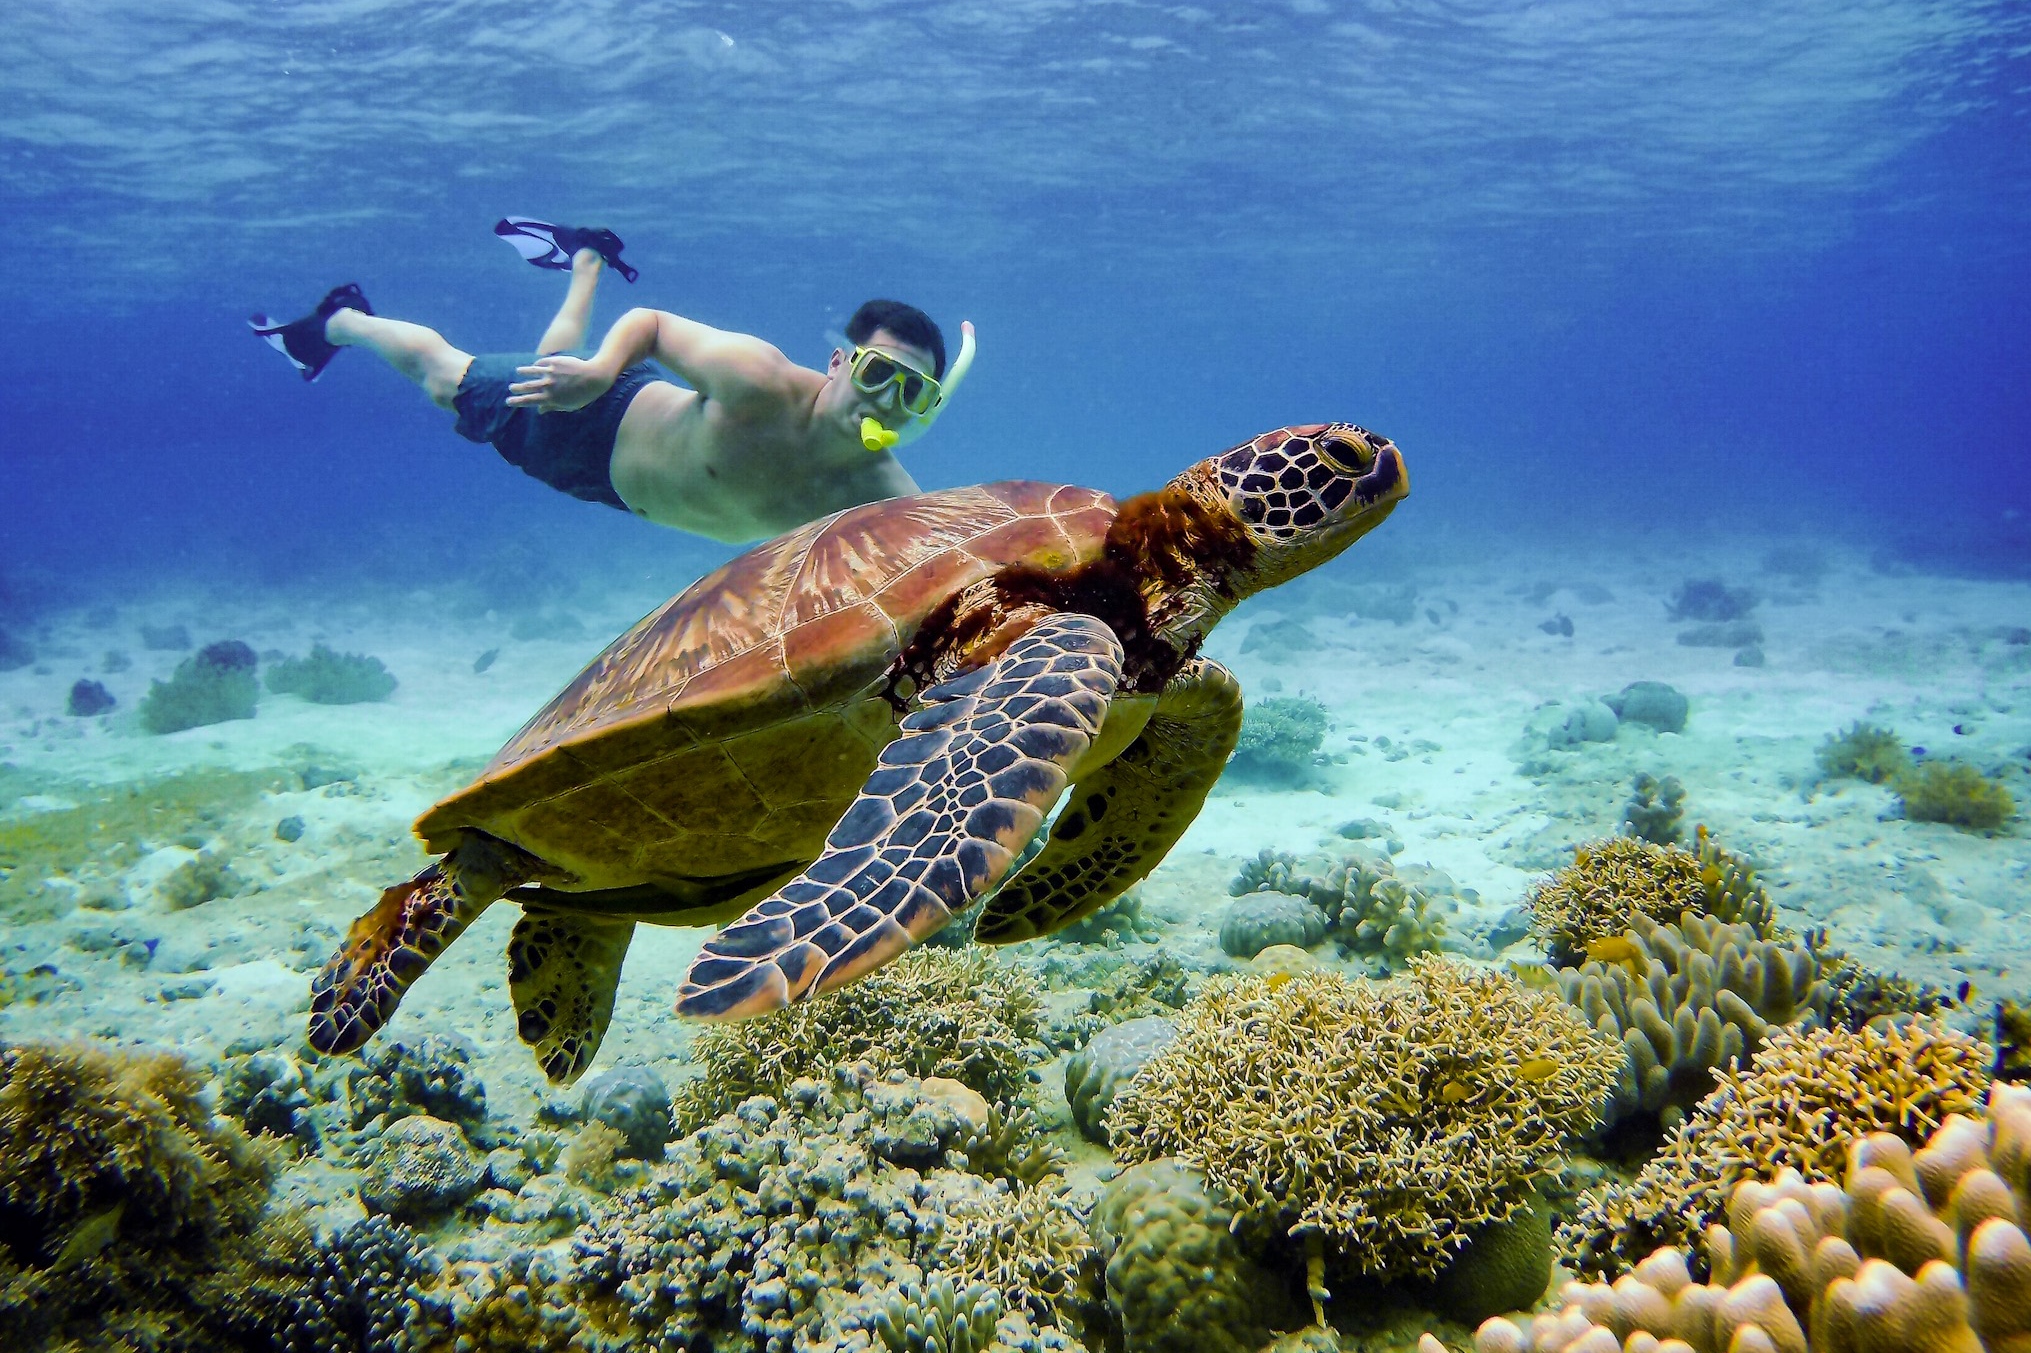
(557, 384)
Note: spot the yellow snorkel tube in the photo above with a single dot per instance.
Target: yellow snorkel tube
(875, 436)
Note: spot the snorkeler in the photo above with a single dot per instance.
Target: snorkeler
(757, 446)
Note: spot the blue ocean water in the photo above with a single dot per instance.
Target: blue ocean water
(1639, 263)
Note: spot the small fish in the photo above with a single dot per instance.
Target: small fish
(1965, 993)
(1276, 980)
(1452, 1092)
(1537, 1069)
(1535, 976)
(485, 660)
(1617, 949)
(92, 1234)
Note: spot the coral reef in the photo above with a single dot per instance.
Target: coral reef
(633, 1101)
(933, 1012)
(1655, 811)
(1916, 1252)
(1709, 599)
(420, 1168)
(329, 678)
(214, 686)
(762, 1225)
(1651, 703)
(1256, 921)
(201, 879)
(267, 1093)
(1096, 1073)
(1863, 751)
(1177, 1279)
(429, 1074)
(119, 1190)
(1505, 1266)
(1119, 922)
(1611, 884)
(1800, 1102)
(1389, 1121)
(1280, 739)
(1953, 792)
(1370, 908)
(88, 698)
(1733, 894)
(1685, 999)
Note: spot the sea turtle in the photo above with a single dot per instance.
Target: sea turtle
(850, 733)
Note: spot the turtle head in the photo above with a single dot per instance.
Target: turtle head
(1254, 516)
(1300, 496)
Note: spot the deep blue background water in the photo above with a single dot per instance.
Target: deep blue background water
(1604, 266)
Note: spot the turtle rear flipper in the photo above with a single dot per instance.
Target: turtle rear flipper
(950, 805)
(563, 971)
(1122, 819)
(388, 948)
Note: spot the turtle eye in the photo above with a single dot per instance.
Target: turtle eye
(1346, 452)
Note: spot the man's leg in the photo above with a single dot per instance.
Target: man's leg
(567, 330)
(423, 355)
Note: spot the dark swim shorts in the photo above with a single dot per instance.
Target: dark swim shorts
(568, 451)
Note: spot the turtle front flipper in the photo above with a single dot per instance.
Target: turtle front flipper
(388, 948)
(953, 801)
(563, 971)
(1121, 820)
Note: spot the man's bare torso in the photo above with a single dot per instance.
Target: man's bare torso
(690, 463)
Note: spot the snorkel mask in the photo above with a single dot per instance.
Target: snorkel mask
(918, 395)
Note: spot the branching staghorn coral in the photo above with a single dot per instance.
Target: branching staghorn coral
(1684, 999)
(957, 1013)
(1920, 1252)
(1610, 884)
(1800, 1103)
(1385, 1121)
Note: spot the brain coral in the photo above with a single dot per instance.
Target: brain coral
(1386, 1121)
(1920, 1252)
(1684, 999)
(1177, 1279)
(956, 1013)
(1799, 1104)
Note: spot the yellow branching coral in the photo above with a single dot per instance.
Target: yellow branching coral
(1385, 1121)
(1686, 999)
(1920, 1252)
(1610, 884)
(1799, 1104)
(956, 1013)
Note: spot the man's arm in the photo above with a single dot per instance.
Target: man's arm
(728, 367)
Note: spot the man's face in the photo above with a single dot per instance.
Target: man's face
(853, 403)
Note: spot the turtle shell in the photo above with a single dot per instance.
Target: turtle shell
(728, 730)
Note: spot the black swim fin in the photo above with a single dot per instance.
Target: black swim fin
(302, 341)
(551, 246)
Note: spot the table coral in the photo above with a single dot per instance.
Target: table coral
(1684, 999)
(933, 1012)
(1917, 1252)
(1388, 1120)
(1799, 1103)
